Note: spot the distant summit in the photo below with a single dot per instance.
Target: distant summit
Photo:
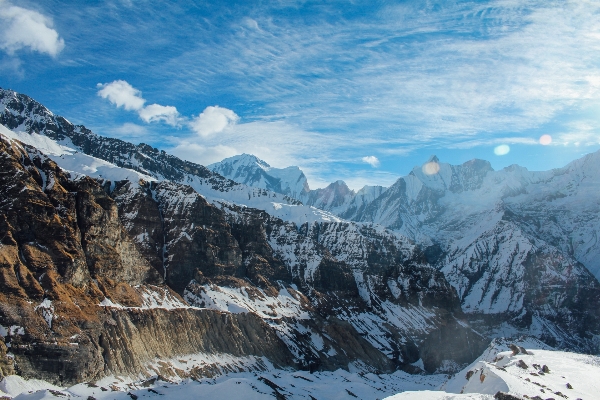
(336, 198)
(252, 171)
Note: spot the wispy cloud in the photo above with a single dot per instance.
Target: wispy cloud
(130, 131)
(22, 28)
(323, 85)
(466, 69)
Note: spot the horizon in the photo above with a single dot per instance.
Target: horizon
(354, 91)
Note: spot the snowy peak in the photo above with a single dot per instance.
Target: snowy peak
(252, 171)
(336, 198)
(456, 178)
(241, 161)
(332, 198)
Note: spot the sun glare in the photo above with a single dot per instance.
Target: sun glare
(431, 168)
(501, 150)
(545, 140)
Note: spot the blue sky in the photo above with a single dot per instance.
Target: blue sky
(354, 90)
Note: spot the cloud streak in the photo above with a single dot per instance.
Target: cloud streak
(463, 69)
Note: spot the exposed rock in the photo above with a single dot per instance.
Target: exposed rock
(505, 396)
(515, 350)
(545, 369)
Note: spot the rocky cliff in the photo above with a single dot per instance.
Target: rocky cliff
(78, 297)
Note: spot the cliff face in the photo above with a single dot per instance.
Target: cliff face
(64, 253)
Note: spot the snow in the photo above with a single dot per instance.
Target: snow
(14, 385)
(497, 369)
(47, 310)
(245, 299)
(152, 297)
(252, 171)
(437, 395)
(72, 160)
(258, 384)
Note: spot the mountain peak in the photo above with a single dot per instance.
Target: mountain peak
(252, 171)
(433, 158)
(243, 159)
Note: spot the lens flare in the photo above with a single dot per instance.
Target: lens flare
(501, 150)
(545, 140)
(431, 168)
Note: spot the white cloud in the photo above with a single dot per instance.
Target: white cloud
(281, 145)
(22, 28)
(156, 113)
(250, 23)
(468, 144)
(581, 138)
(372, 161)
(122, 94)
(213, 120)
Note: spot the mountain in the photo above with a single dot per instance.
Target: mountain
(122, 260)
(513, 243)
(336, 198)
(20, 113)
(252, 171)
(107, 246)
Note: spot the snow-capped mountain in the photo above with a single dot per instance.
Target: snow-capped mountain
(254, 172)
(20, 113)
(336, 198)
(504, 239)
(101, 253)
(106, 246)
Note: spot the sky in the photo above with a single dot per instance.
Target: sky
(360, 91)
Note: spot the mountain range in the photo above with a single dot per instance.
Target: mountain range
(120, 260)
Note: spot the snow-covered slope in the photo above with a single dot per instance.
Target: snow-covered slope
(532, 370)
(512, 242)
(540, 373)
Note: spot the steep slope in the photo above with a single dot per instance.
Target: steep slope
(372, 282)
(250, 170)
(511, 242)
(78, 299)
